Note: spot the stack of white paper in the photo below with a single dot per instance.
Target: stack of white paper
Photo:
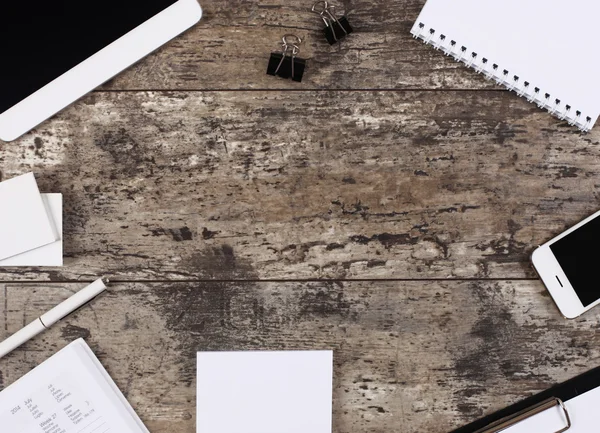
(30, 224)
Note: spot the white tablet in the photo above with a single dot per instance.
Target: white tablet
(55, 51)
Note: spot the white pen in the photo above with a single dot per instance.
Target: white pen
(59, 312)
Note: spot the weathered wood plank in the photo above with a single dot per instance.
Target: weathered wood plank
(274, 185)
(409, 356)
(230, 48)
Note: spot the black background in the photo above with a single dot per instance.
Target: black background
(41, 40)
(578, 255)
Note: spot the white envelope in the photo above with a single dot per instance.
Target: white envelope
(48, 255)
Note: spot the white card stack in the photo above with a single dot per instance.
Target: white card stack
(30, 224)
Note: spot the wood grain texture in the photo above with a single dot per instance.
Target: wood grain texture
(389, 163)
(279, 185)
(230, 47)
(409, 356)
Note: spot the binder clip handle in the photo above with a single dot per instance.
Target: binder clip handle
(287, 64)
(335, 28)
(326, 12)
(293, 42)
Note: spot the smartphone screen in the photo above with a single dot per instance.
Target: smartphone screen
(578, 254)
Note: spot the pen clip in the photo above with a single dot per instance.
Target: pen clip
(64, 309)
(88, 302)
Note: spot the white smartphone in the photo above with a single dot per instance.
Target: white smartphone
(569, 267)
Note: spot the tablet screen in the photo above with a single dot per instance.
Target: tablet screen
(42, 39)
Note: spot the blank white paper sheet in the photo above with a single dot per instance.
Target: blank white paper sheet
(48, 255)
(24, 220)
(265, 392)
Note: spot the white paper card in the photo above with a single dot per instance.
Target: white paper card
(69, 393)
(264, 392)
(48, 255)
(24, 221)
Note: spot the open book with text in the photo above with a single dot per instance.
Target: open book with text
(69, 393)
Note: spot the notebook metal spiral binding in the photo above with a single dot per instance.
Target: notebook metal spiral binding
(493, 71)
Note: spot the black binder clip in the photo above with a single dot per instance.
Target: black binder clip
(335, 29)
(286, 64)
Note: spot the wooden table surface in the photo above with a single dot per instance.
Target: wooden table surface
(384, 208)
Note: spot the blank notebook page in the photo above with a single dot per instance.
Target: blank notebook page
(548, 44)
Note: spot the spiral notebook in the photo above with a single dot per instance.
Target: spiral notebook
(544, 50)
